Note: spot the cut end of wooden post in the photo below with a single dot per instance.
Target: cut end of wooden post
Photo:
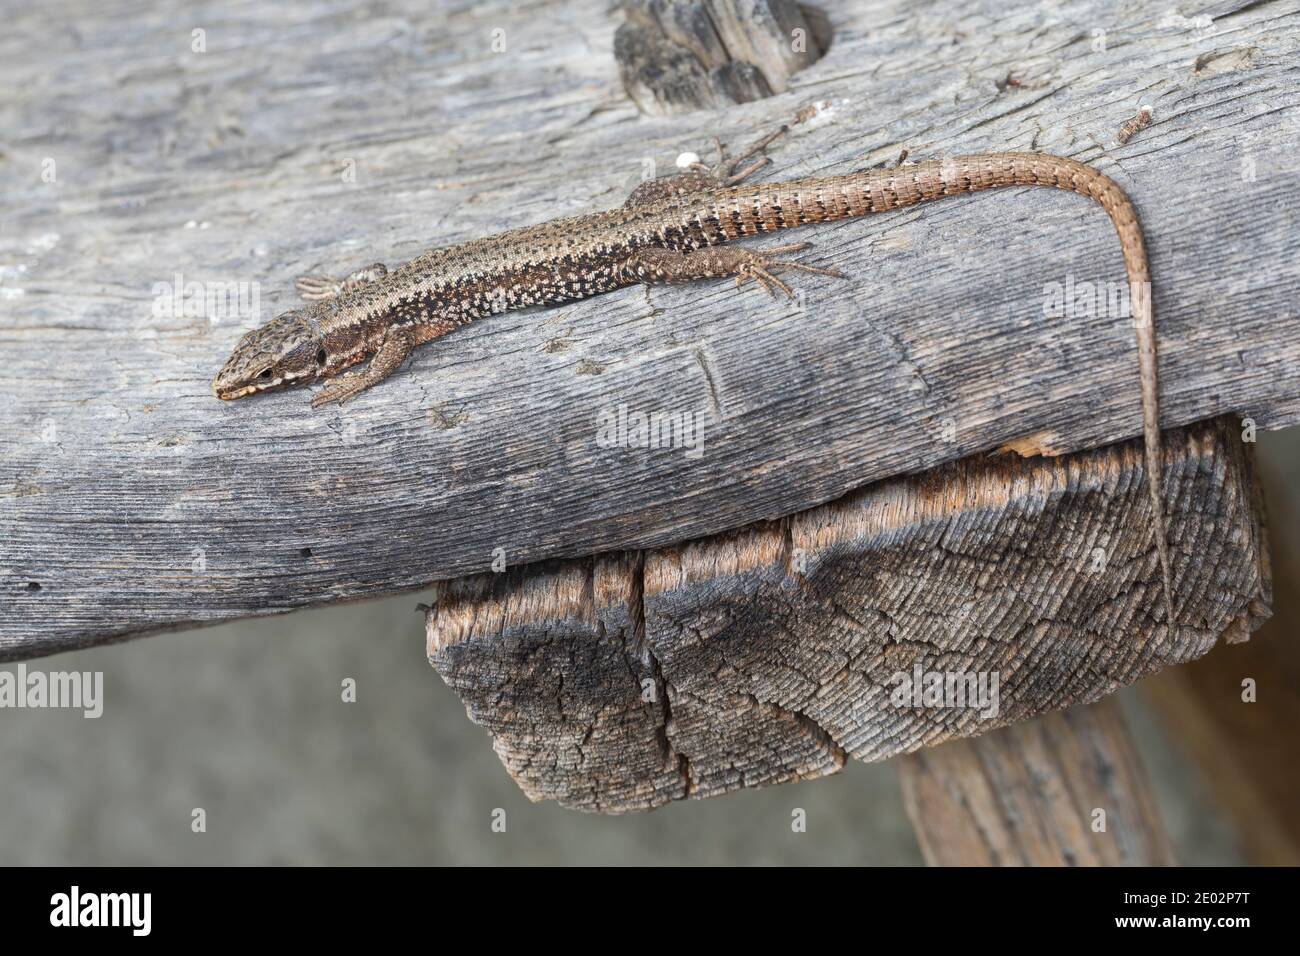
(908, 613)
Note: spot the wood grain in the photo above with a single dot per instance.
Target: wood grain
(676, 56)
(777, 652)
(312, 137)
(1065, 789)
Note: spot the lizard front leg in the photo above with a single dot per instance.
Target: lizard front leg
(655, 266)
(397, 345)
(315, 287)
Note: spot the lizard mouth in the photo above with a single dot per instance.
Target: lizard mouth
(228, 391)
(228, 394)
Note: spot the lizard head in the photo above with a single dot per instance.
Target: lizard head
(285, 351)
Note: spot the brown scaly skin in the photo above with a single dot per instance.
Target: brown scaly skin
(669, 230)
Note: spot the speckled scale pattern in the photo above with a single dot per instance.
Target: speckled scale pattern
(568, 259)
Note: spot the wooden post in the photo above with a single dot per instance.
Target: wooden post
(1236, 710)
(778, 651)
(1064, 789)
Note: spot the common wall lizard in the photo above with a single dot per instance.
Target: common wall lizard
(668, 230)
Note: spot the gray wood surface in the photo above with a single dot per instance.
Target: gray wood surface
(777, 652)
(311, 136)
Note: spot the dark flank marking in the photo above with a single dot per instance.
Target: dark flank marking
(737, 228)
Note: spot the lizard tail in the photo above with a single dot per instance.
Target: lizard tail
(760, 208)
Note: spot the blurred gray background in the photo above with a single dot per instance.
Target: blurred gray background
(247, 721)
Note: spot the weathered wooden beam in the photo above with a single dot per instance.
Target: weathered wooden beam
(776, 652)
(1064, 789)
(156, 164)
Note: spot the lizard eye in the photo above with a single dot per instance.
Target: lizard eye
(265, 373)
(321, 357)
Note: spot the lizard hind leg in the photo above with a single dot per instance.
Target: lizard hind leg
(730, 172)
(700, 177)
(762, 268)
(660, 266)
